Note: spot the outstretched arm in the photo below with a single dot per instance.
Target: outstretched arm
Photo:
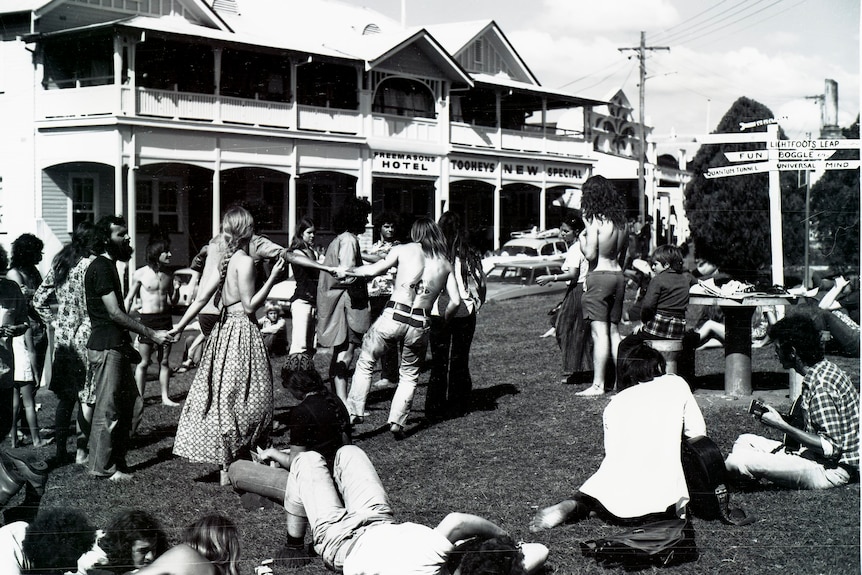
(377, 268)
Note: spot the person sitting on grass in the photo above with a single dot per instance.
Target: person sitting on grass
(821, 434)
(209, 546)
(272, 330)
(320, 423)
(643, 424)
(52, 544)
(354, 530)
(133, 539)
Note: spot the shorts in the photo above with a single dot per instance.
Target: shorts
(604, 292)
(155, 321)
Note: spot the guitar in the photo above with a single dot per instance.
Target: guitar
(796, 418)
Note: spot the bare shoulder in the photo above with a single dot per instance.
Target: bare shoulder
(179, 560)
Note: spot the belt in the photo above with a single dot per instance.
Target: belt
(406, 308)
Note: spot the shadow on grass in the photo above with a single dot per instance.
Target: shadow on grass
(760, 381)
(162, 455)
(485, 398)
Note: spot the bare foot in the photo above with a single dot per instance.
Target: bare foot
(592, 391)
(169, 402)
(120, 476)
(552, 516)
(81, 457)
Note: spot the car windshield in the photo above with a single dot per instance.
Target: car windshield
(509, 275)
(515, 250)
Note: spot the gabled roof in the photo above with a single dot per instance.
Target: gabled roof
(456, 37)
(199, 8)
(339, 28)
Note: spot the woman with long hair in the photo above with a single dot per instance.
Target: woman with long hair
(572, 330)
(301, 256)
(450, 383)
(228, 411)
(209, 546)
(71, 324)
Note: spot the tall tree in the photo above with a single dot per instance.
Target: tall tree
(729, 216)
(835, 209)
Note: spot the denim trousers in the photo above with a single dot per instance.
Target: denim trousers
(756, 457)
(117, 402)
(387, 332)
(338, 506)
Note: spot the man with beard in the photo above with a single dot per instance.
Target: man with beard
(110, 352)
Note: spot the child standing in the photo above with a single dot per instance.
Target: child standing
(664, 304)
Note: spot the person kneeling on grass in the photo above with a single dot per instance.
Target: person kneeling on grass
(643, 425)
(354, 530)
(821, 434)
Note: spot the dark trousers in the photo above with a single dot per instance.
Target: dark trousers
(450, 383)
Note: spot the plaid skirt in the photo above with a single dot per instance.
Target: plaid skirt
(665, 326)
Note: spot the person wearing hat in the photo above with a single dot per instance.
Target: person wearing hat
(319, 423)
(272, 329)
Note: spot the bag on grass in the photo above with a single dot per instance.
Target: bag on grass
(658, 544)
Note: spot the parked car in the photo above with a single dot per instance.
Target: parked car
(518, 279)
(185, 286)
(549, 248)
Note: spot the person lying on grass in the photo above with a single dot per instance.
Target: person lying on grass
(319, 423)
(354, 530)
(643, 425)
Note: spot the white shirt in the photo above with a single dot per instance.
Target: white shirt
(398, 549)
(575, 260)
(643, 426)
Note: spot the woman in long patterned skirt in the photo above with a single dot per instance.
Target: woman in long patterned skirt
(228, 410)
(573, 334)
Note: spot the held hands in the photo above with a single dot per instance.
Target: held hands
(161, 337)
(543, 280)
(340, 272)
(278, 267)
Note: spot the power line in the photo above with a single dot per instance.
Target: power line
(676, 28)
(710, 27)
(641, 52)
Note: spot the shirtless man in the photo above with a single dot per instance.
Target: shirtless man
(423, 272)
(602, 242)
(155, 287)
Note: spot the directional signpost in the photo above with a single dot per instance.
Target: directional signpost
(779, 156)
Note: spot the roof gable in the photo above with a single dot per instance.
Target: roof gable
(55, 15)
(480, 47)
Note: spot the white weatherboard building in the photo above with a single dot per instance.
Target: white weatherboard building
(169, 111)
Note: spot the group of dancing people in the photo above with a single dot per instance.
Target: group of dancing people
(328, 486)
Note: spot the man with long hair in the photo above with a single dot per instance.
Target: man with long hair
(602, 242)
(423, 272)
(110, 352)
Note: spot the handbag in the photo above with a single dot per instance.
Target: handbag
(657, 544)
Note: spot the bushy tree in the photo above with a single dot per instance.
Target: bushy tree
(835, 205)
(729, 216)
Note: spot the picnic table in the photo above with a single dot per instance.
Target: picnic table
(738, 311)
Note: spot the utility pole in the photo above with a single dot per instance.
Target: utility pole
(641, 54)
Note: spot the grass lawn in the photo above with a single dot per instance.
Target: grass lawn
(527, 442)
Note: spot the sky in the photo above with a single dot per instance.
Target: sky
(777, 52)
